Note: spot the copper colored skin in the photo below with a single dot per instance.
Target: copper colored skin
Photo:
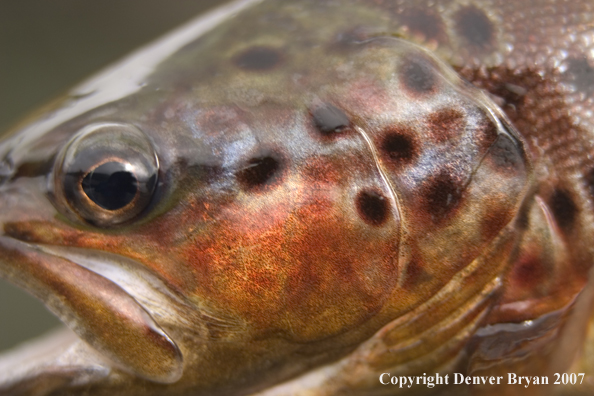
(334, 202)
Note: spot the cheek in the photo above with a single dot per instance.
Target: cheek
(302, 264)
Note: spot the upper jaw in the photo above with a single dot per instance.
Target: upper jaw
(97, 306)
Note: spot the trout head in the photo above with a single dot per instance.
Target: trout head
(245, 212)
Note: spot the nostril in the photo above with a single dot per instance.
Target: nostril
(6, 170)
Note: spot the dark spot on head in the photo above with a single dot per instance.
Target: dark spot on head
(506, 154)
(259, 172)
(563, 208)
(398, 145)
(474, 26)
(258, 59)
(417, 76)
(421, 21)
(445, 124)
(580, 74)
(329, 120)
(442, 195)
(373, 207)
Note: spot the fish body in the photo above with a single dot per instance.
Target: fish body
(297, 197)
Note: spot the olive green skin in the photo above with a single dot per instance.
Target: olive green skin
(334, 202)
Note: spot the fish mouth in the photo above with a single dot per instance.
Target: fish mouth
(109, 301)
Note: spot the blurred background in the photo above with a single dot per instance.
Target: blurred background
(46, 47)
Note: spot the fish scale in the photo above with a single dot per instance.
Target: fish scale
(316, 193)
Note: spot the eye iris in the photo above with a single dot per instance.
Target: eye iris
(110, 186)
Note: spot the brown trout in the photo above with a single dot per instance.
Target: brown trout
(336, 197)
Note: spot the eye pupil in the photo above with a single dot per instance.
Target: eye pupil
(110, 185)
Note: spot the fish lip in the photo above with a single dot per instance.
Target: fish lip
(146, 288)
(140, 299)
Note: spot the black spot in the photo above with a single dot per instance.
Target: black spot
(399, 146)
(110, 185)
(258, 59)
(417, 76)
(506, 154)
(373, 207)
(580, 74)
(420, 21)
(258, 172)
(564, 209)
(329, 119)
(474, 26)
(442, 195)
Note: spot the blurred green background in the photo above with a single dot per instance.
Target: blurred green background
(45, 48)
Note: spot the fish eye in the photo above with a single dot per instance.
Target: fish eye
(107, 173)
(110, 185)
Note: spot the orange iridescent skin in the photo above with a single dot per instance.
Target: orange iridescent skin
(322, 192)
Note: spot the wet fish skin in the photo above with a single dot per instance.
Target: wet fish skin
(263, 260)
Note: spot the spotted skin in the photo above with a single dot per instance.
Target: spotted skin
(345, 189)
